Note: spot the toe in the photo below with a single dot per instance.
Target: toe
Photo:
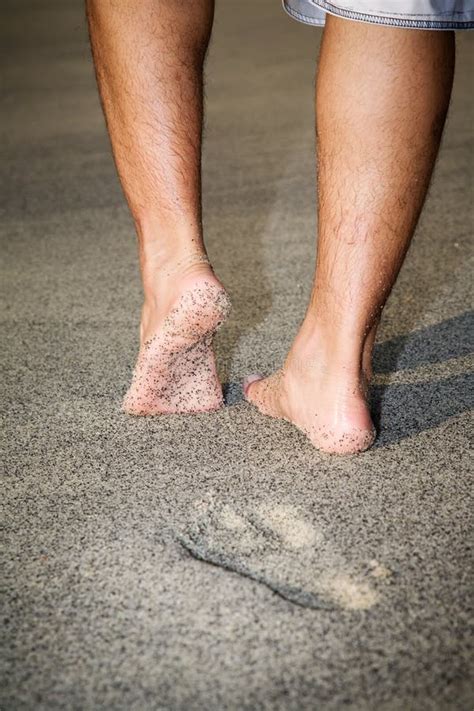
(248, 382)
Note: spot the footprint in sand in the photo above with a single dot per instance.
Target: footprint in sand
(275, 545)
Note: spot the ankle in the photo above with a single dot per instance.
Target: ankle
(318, 359)
(333, 351)
(165, 258)
(167, 240)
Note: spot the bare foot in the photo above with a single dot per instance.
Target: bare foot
(328, 406)
(176, 369)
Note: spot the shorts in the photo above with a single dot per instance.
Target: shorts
(417, 14)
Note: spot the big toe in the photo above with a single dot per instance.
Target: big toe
(248, 381)
(264, 393)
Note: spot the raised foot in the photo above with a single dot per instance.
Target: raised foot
(335, 420)
(176, 369)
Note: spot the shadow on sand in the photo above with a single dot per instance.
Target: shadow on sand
(404, 409)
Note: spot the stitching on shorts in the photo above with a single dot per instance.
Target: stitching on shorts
(299, 16)
(392, 14)
(393, 21)
(373, 19)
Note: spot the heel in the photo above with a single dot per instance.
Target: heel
(200, 312)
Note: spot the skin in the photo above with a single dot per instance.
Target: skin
(381, 102)
(149, 58)
(382, 96)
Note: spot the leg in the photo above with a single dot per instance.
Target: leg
(149, 59)
(381, 101)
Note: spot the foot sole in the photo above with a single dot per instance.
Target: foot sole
(176, 369)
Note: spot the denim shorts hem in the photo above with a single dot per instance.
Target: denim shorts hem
(404, 22)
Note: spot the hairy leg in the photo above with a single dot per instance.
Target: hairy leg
(381, 101)
(149, 59)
